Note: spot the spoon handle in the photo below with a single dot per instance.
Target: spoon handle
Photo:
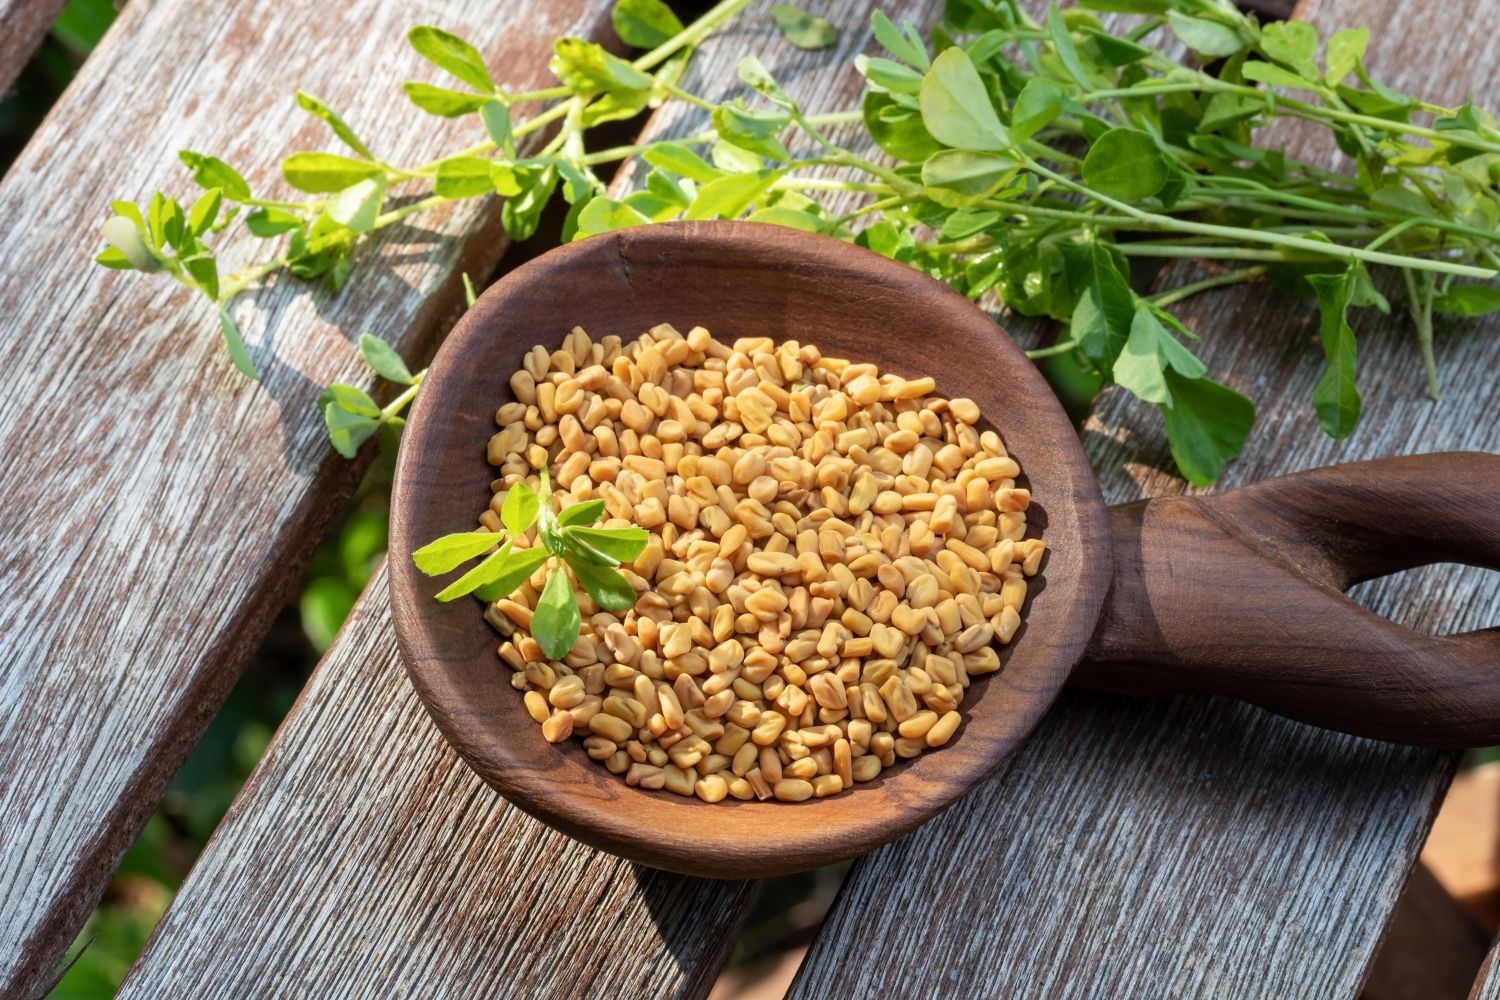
(1243, 595)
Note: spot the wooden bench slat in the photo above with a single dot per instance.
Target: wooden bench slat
(1177, 848)
(361, 827)
(159, 504)
(364, 858)
(26, 25)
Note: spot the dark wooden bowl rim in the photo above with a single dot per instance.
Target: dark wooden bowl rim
(738, 279)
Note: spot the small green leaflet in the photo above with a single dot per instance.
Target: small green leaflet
(451, 551)
(453, 54)
(204, 211)
(1038, 105)
(1125, 163)
(1294, 44)
(358, 205)
(519, 511)
(500, 574)
(1467, 300)
(752, 129)
(730, 195)
(608, 587)
(496, 118)
(620, 544)
(584, 513)
(212, 172)
(325, 173)
(1138, 368)
(804, 30)
(318, 109)
(585, 68)
(1336, 395)
(644, 24)
(555, 623)
(1062, 44)
(237, 352)
(1204, 36)
(905, 43)
(382, 357)
(441, 101)
(1207, 424)
(956, 108)
(1344, 51)
(1105, 312)
(957, 177)
(464, 177)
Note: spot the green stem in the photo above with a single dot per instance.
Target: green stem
(1061, 347)
(395, 406)
(1175, 295)
(1322, 249)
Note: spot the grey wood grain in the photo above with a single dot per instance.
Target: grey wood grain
(1178, 848)
(158, 503)
(363, 855)
(364, 859)
(23, 26)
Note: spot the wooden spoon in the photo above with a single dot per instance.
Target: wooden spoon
(1238, 594)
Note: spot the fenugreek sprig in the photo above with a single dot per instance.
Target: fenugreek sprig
(1023, 159)
(566, 536)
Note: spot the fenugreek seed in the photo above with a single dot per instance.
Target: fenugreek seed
(611, 727)
(793, 790)
(645, 776)
(558, 727)
(711, 788)
(568, 692)
(943, 730)
(974, 637)
(759, 785)
(772, 563)
(536, 706)
(599, 748)
(1006, 623)
(916, 727)
(866, 768)
(963, 409)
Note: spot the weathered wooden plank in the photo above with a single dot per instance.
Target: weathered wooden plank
(158, 502)
(23, 25)
(1201, 848)
(361, 828)
(364, 858)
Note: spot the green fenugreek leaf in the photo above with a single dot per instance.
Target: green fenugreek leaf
(1336, 395)
(1125, 163)
(449, 52)
(585, 513)
(804, 30)
(956, 107)
(212, 172)
(1207, 424)
(382, 357)
(620, 544)
(325, 173)
(519, 511)
(318, 109)
(452, 551)
(237, 352)
(498, 576)
(441, 101)
(555, 623)
(644, 24)
(607, 586)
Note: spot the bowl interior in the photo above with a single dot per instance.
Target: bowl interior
(737, 279)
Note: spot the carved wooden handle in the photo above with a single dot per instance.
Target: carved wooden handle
(1242, 595)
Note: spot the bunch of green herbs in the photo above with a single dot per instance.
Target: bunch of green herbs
(1027, 158)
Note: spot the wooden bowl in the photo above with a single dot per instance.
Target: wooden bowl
(739, 280)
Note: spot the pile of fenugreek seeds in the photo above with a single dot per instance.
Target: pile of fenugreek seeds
(833, 555)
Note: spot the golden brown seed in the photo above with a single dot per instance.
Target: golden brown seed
(943, 730)
(558, 727)
(793, 790)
